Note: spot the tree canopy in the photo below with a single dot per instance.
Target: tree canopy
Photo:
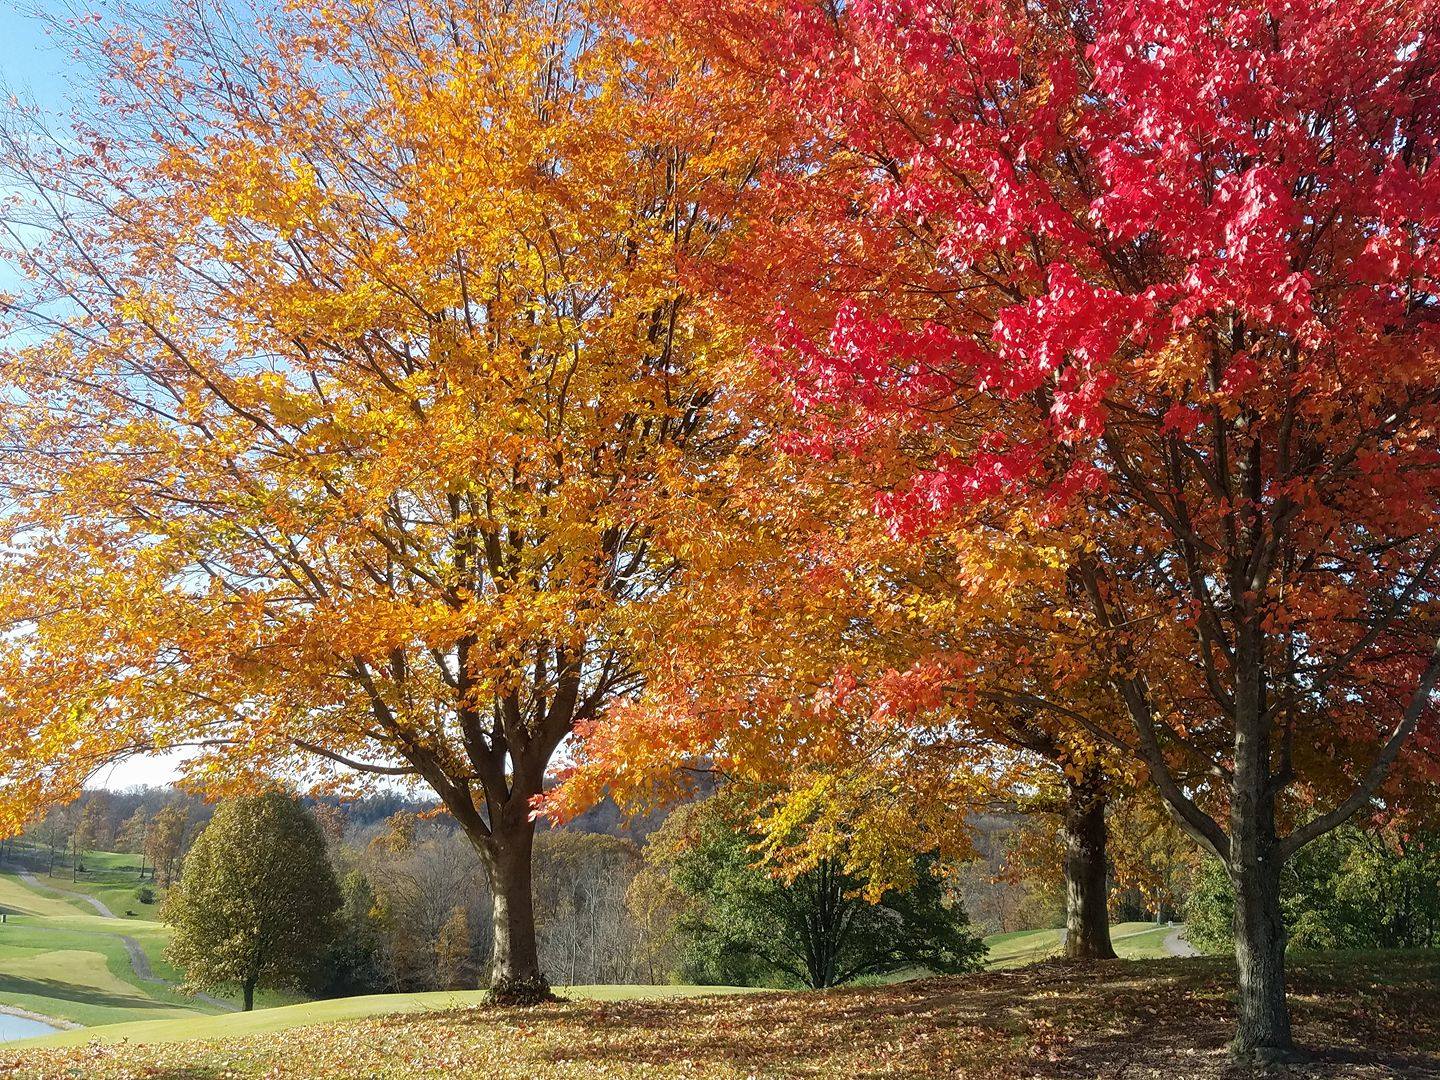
(1148, 286)
(354, 404)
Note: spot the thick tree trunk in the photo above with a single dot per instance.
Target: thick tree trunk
(1087, 915)
(1263, 1031)
(248, 991)
(515, 976)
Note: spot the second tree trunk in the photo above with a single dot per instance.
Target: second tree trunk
(1263, 1031)
(1087, 912)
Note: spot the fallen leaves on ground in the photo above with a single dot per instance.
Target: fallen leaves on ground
(1362, 1017)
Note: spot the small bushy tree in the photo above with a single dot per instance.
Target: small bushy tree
(747, 926)
(256, 901)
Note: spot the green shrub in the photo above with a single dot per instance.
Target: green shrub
(1351, 889)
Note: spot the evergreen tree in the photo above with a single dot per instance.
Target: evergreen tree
(355, 965)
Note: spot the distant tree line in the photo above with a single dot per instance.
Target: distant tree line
(417, 911)
(275, 891)
(156, 823)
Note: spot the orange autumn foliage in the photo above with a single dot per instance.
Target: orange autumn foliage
(354, 407)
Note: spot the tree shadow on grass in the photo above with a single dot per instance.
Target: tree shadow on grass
(81, 993)
(1109, 1019)
(1352, 1020)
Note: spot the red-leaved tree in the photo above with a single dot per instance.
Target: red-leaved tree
(1154, 281)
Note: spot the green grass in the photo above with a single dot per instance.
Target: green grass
(79, 985)
(39, 938)
(1146, 945)
(111, 877)
(43, 908)
(268, 1021)
(1021, 947)
(1132, 940)
(18, 899)
(60, 963)
(60, 958)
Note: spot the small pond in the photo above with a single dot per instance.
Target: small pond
(22, 1027)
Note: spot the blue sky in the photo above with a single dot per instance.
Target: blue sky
(34, 67)
(32, 64)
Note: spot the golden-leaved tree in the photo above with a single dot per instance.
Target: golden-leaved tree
(352, 405)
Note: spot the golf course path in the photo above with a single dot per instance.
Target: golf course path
(138, 959)
(145, 973)
(35, 883)
(1176, 945)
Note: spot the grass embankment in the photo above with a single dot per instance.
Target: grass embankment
(61, 959)
(111, 877)
(1132, 941)
(1363, 1016)
(270, 1021)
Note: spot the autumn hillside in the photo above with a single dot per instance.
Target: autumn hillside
(1363, 1016)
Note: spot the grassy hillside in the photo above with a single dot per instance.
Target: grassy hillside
(1132, 941)
(1364, 1016)
(112, 878)
(60, 963)
(60, 958)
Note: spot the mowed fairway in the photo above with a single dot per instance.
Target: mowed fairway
(59, 962)
(109, 877)
(1132, 941)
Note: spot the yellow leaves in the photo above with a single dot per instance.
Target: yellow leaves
(384, 360)
(872, 820)
(1179, 361)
